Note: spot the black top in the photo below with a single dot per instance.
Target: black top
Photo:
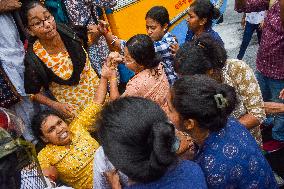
(38, 75)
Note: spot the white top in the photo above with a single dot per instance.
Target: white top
(101, 165)
(255, 17)
(12, 52)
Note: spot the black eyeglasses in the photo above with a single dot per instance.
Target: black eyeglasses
(40, 23)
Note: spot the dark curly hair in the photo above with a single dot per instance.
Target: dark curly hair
(199, 56)
(137, 138)
(193, 98)
(141, 49)
(159, 14)
(205, 9)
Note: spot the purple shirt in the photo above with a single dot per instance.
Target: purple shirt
(270, 57)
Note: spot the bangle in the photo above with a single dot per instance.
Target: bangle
(32, 97)
(113, 79)
(114, 40)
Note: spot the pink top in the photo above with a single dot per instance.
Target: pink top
(151, 84)
(270, 56)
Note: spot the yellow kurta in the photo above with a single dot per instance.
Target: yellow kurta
(74, 163)
(77, 95)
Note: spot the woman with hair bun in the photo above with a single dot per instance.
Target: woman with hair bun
(228, 154)
(206, 56)
(139, 141)
(200, 18)
(150, 80)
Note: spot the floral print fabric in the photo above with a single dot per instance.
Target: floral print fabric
(230, 158)
(78, 95)
(239, 75)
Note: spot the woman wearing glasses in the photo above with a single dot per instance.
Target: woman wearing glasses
(56, 62)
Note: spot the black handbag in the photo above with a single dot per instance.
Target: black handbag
(8, 93)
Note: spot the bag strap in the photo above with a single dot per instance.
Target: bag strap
(35, 63)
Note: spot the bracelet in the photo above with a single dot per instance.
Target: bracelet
(114, 40)
(32, 97)
(113, 79)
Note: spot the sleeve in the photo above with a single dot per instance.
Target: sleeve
(161, 46)
(101, 165)
(134, 88)
(248, 89)
(122, 46)
(32, 81)
(43, 159)
(104, 3)
(254, 6)
(86, 118)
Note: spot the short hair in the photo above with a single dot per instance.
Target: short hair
(199, 56)
(159, 14)
(193, 98)
(137, 138)
(205, 9)
(142, 50)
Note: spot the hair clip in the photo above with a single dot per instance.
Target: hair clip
(220, 101)
(200, 44)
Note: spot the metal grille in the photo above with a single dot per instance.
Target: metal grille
(31, 174)
(124, 3)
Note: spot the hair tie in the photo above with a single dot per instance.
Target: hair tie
(200, 44)
(221, 101)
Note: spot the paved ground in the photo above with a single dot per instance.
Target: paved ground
(231, 32)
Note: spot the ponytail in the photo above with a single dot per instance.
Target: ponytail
(137, 138)
(205, 100)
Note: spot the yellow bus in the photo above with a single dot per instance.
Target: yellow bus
(128, 16)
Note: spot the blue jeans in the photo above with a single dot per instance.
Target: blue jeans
(270, 89)
(249, 29)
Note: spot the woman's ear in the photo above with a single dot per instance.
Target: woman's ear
(203, 21)
(189, 124)
(165, 27)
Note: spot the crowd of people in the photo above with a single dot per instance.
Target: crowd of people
(141, 113)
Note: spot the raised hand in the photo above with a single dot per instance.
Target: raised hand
(9, 5)
(103, 27)
(65, 109)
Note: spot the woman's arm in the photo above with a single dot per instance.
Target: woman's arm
(112, 41)
(9, 5)
(273, 107)
(101, 91)
(251, 5)
(249, 121)
(248, 89)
